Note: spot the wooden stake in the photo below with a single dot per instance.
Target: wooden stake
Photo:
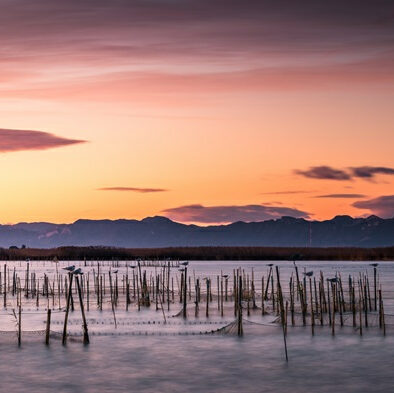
(48, 327)
(64, 341)
(85, 325)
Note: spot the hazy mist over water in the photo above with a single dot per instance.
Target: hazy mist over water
(214, 363)
(346, 363)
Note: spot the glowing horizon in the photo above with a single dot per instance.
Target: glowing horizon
(195, 110)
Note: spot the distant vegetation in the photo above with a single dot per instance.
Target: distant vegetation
(202, 253)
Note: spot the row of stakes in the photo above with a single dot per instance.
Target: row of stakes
(311, 298)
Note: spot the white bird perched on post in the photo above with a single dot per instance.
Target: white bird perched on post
(69, 268)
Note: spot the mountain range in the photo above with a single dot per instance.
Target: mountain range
(341, 231)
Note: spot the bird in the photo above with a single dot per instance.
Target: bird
(69, 268)
(184, 263)
(374, 264)
(309, 274)
(132, 266)
(181, 270)
(115, 271)
(225, 275)
(333, 280)
(77, 271)
(270, 264)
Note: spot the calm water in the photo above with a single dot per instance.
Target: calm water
(213, 363)
(346, 363)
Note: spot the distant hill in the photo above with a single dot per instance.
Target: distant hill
(341, 231)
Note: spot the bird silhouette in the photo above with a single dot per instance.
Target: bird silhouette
(77, 271)
(309, 274)
(333, 280)
(374, 264)
(184, 263)
(270, 264)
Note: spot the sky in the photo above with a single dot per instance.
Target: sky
(202, 111)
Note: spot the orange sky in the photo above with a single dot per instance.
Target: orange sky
(199, 105)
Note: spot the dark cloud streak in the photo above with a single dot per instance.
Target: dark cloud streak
(369, 172)
(341, 196)
(285, 192)
(133, 189)
(17, 140)
(324, 172)
(329, 173)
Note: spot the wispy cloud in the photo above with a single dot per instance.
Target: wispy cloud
(17, 140)
(227, 214)
(368, 172)
(285, 192)
(382, 206)
(324, 172)
(341, 196)
(190, 46)
(330, 173)
(133, 189)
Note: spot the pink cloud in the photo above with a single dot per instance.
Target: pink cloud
(382, 206)
(227, 214)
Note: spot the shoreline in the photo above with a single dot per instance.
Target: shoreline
(203, 253)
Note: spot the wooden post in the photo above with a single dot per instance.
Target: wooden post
(333, 290)
(48, 327)
(262, 296)
(292, 300)
(218, 291)
(5, 286)
(221, 297)
(360, 315)
(207, 305)
(374, 287)
(184, 298)
(67, 309)
(168, 286)
(383, 321)
(353, 306)
(282, 311)
(329, 303)
(312, 311)
(268, 281)
(239, 325)
(20, 326)
(85, 325)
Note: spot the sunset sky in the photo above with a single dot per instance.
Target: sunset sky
(202, 111)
